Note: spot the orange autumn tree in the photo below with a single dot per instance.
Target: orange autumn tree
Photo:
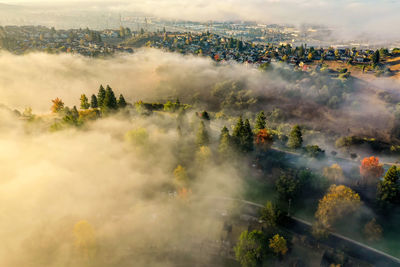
(184, 193)
(57, 106)
(264, 139)
(371, 170)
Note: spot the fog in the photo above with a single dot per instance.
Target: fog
(152, 75)
(124, 189)
(355, 19)
(51, 181)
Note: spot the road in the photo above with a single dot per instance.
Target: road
(335, 240)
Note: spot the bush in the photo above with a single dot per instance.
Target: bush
(314, 151)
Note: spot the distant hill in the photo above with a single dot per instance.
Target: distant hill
(4, 7)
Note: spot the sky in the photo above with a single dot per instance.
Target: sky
(352, 17)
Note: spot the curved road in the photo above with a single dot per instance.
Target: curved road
(353, 247)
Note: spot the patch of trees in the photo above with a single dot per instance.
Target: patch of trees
(298, 185)
(104, 103)
(314, 151)
(232, 95)
(256, 246)
(351, 142)
(324, 89)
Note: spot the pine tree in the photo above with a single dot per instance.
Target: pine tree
(121, 101)
(75, 112)
(242, 136)
(224, 131)
(225, 144)
(204, 115)
(84, 102)
(238, 133)
(100, 96)
(93, 102)
(295, 137)
(260, 121)
(248, 138)
(375, 57)
(110, 102)
(389, 189)
(392, 174)
(202, 138)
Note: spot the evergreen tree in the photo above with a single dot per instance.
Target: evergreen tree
(295, 137)
(204, 115)
(93, 102)
(110, 102)
(224, 131)
(260, 121)
(84, 102)
(375, 57)
(242, 136)
(121, 101)
(389, 189)
(75, 112)
(248, 138)
(71, 116)
(202, 138)
(100, 96)
(238, 133)
(225, 145)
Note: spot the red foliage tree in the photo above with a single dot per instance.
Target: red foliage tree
(264, 139)
(371, 169)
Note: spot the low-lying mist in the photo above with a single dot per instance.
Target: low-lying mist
(105, 191)
(151, 75)
(97, 197)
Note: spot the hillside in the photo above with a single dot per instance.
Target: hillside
(394, 65)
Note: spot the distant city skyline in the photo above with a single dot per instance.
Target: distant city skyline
(376, 18)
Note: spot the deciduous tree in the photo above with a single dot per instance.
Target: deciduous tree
(339, 202)
(57, 106)
(250, 248)
(84, 102)
(295, 137)
(181, 178)
(278, 244)
(373, 231)
(202, 138)
(371, 170)
(334, 173)
(264, 139)
(270, 215)
(85, 240)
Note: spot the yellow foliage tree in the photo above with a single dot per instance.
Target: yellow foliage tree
(373, 231)
(137, 137)
(203, 154)
(85, 240)
(278, 244)
(337, 203)
(180, 177)
(57, 106)
(334, 173)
